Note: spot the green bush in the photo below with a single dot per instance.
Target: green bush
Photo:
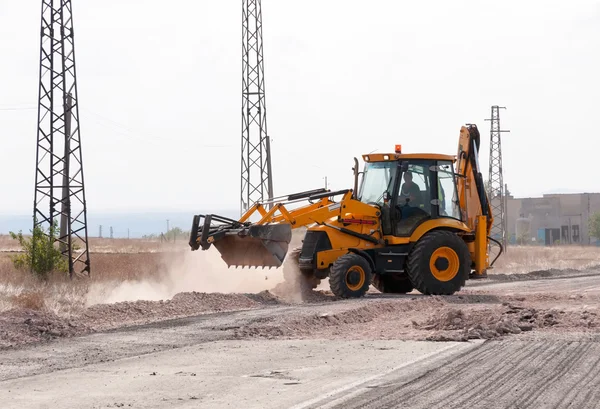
(40, 254)
(594, 225)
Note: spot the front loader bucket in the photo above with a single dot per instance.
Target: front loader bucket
(255, 246)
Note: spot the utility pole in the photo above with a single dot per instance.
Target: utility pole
(496, 191)
(256, 180)
(111, 232)
(587, 222)
(66, 202)
(100, 232)
(506, 229)
(59, 184)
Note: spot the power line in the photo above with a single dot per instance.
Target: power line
(17, 109)
(108, 123)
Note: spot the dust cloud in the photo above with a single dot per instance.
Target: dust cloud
(186, 271)
(201, 271)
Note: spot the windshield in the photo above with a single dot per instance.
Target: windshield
(377, 179)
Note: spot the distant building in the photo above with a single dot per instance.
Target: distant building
(552, 219)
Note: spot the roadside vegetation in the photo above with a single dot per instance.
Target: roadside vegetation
(147, 262)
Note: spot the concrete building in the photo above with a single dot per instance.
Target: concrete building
(551, 219)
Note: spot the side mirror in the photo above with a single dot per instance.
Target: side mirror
(404, 166)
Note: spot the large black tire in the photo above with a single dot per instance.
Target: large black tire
(439, 264)
(304, 279)
(392, 284)
(350, 276)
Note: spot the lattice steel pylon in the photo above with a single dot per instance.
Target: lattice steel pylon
(496, 188)
(256, 180)
(59, 184)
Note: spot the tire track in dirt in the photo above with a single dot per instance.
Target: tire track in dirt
(572, 354)
(445, 378)
(500, 382)
(593, 374)
(563, 355)
(506, 374)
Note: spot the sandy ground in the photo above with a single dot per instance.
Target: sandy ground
(176, 329)
(224, 374)
(542, 301)
(529, 339)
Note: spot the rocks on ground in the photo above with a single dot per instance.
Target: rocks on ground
(435, 318)
(26, 325)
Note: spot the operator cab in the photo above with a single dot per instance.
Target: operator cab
(403, 186)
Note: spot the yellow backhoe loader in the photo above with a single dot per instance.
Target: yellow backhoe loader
(417, 221)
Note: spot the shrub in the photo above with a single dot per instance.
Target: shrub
(594, 225)
(40, 255)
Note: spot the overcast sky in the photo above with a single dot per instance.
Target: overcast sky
(160, 93)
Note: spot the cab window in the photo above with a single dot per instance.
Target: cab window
(447, 193)
(414, 198)
(414, 187)
(377, 180)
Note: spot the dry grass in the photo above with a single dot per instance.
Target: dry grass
(65, 297)
(31, 300)
(151, 265)
(113, 260)
(523, 259)
(107, 245)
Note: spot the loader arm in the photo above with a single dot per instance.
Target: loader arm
(263, 243)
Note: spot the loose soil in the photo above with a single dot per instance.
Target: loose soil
(21, 326)
(493, 310)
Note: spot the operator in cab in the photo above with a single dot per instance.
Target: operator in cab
(410, 193)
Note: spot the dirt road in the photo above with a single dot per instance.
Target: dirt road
(528, 342)
(551, 372)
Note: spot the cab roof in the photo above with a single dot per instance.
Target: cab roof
(389, 157)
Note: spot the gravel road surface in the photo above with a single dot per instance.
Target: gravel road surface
(553, 372)
(524, 344)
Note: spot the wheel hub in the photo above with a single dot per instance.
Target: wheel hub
(442, 264)
(353, 277)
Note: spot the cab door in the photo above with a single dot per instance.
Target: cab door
(415, 200)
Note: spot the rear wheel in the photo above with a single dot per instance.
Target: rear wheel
(350, 276)
(439, 264)
(392, 284)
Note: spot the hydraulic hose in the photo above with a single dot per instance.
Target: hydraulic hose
(501, 250)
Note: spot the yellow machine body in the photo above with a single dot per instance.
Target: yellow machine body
(427, 238)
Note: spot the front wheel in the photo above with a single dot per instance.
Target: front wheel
(439, 264)
(350, 276)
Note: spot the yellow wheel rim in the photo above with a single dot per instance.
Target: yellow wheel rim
(355, 278)
(444, 264)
